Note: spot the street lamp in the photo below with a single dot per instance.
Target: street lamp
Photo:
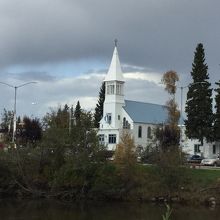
(15, 100)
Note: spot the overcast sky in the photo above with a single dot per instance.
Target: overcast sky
(66, 46)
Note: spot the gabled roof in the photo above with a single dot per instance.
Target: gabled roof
(142, 112)
(115, 72)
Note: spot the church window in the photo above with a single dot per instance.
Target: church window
(110, 89)
(196, 148)
(149, 133)
(119, 117)
(101, 139)
(214, 149)
(140, 132)
(118, 89)
(108, 118)
(126, 125)
(124, 122)
(112, 138)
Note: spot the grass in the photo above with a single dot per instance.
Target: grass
(200, 178)
(204, 178)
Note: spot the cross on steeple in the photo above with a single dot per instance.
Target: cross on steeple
(114, 71)
(116, 42)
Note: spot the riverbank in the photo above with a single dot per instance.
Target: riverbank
(113, 182)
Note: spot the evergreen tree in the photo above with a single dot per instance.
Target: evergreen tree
(99, 106)
(217, 114)
(31, 131)
(77, 113)
(199, 102)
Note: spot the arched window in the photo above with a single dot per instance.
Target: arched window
(126, 125)
(139, 131)
(110, 89)
(124, 122)
(149, 133)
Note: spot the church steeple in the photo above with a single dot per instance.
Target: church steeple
(115, 72)
(114, 96)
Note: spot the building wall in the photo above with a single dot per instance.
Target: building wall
(211, 150)
(191, 146)
(115, 109)
(105, 134)
(144, 140)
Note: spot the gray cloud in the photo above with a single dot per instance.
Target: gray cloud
(34, 76)
(97, 71)
(154, 36)
(158, 34)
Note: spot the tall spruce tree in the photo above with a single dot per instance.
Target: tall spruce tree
(77, 113)
(99, 106)
(199, 102)
(217, 114)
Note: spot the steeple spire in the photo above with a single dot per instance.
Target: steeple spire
(116, 42)
(115, 72)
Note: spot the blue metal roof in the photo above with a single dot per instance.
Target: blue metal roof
(146, 112)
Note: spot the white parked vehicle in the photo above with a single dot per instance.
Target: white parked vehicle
(211, 162)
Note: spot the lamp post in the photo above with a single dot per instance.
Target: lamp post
(181, 111)
(15, 102)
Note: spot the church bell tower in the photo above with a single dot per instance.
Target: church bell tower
(114, 93)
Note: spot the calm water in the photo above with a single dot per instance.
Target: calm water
(53, 210)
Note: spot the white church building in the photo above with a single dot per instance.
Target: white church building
(139, 118)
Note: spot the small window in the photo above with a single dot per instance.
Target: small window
(196, 148)
(149, 133)
(118, 89)
(126, 125)
(110, 89)
(214, 149)
(108, 118)
(124, 122)
(140, 132)
(101, 138)
(112, 138)
(119, 117)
